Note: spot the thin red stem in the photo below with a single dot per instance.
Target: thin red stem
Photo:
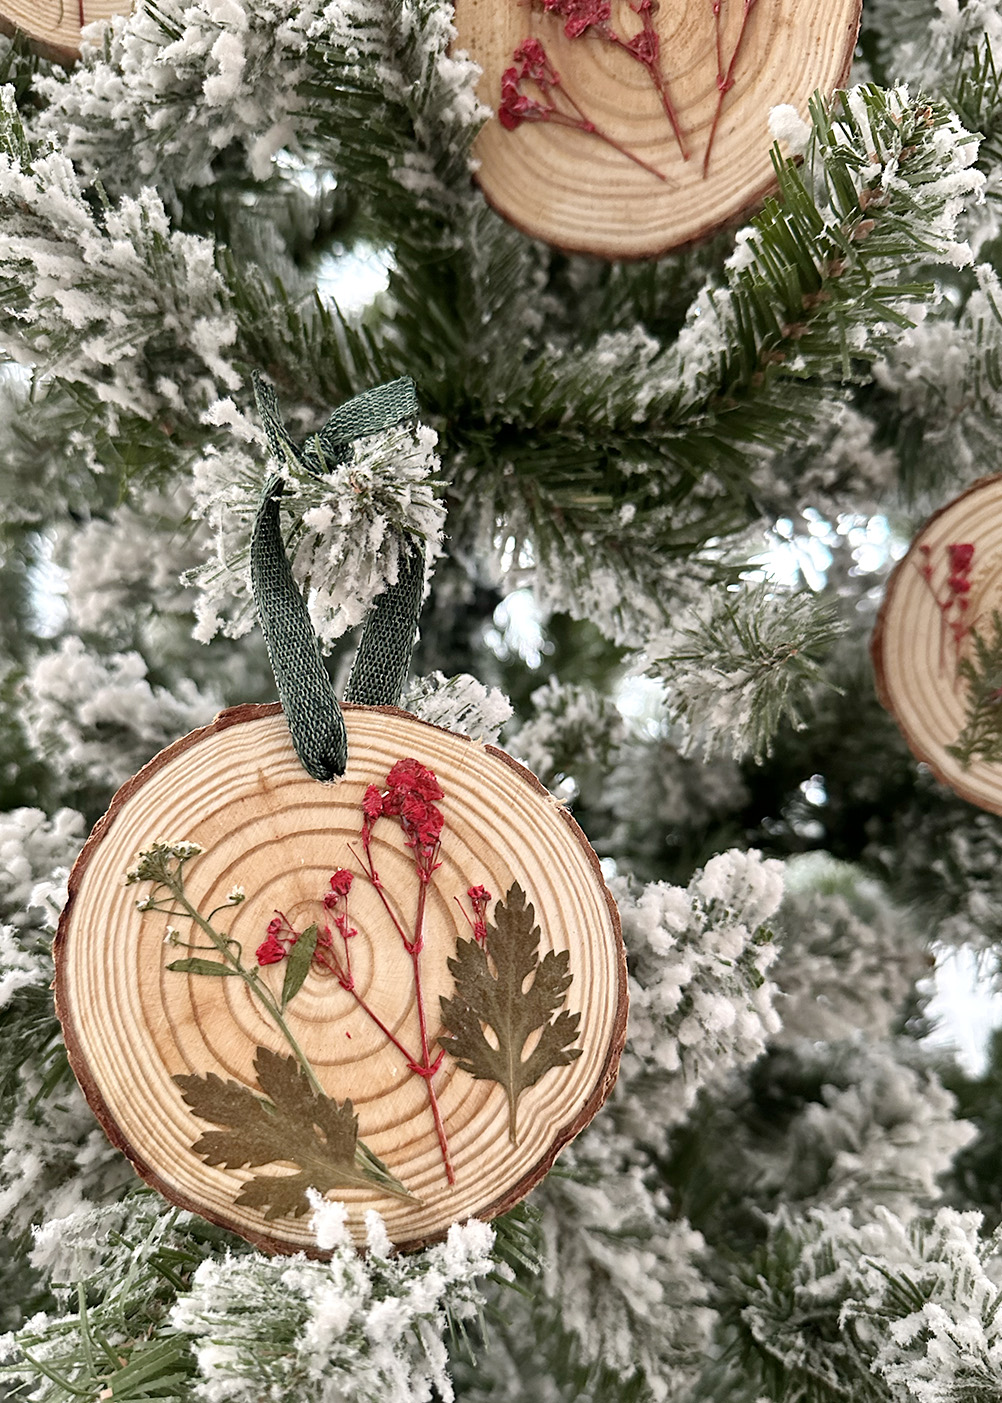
(425, 1068)
(348, 985)
(653, 66)
(583, 125)
(416, 946)
(83, 19)
(719, 38)
(725, 82)
(465, 916)
(373, 876)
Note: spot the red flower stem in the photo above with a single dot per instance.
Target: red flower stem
(373, 876)
(726, 81)
(719, 36)
(653, 67)
(465, 916)
(344, 937)
(413, 948)
(583, 125)
(83, 20)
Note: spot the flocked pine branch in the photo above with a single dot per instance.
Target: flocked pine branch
(889, 1310)
(114, 300)
(746, 664)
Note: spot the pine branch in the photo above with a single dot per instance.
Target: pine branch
(750, 663)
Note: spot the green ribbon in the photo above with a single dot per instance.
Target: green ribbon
(379, 671)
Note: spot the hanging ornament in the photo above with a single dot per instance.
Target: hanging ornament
(339, 951)
(54, 26)
(628, 128)
(937, 647)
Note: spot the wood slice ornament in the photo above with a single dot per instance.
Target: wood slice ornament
(472, 1016)
(937, 647)
(628, 128)
(54, 26)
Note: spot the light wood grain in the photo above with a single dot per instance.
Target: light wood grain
(53, 26)
(238, 790)
(576, 192)
(916, 674)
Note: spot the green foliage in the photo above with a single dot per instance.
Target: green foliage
(112, 1339)
(981, 672)
(749, 662)
(500, 999)
(297, 1123)
(976, 1173)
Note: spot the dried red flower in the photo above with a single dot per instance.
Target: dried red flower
(341, 881)
(532, 65)
(953, 625)
(415, 778)
(372, 802)
(270, 951)
(579, 14)
(422, 820)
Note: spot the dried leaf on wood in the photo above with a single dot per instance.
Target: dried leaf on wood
(497, 998)
(292, 1122)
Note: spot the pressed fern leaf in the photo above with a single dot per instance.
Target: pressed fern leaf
(496, 998)
(292, 1122)
(981, 738)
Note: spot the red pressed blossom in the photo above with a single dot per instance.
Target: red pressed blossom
(645, 46)
(422, 822)
(411, 777)
(533, 66)
(579, 14)
(372, 802)
(953, 602)
(341, 881)
(270, 951)
(479, 897)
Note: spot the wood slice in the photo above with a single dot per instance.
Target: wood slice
(915, 651)
(575, 191)
(237, 789)
(53, 26)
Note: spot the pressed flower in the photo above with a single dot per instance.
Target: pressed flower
(270, 951)
(516, 107)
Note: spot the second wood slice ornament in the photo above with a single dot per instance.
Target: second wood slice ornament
(937, 647)
(628, 128)
(53, 26)
(405, 990)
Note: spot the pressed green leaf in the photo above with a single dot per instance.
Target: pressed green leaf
(297, 1125)
(196, 966)
(297, 966)
(497, 998)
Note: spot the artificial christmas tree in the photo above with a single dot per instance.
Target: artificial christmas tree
(662, 500)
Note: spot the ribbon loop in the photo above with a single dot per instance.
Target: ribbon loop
(379, 671)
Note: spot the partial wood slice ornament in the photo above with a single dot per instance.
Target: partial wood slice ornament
(54, 26)
(237, 789)
(914, 650)
(574, 190)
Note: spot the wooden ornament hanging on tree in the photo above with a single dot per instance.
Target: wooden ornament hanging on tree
(405, 989)
(54, 26)
(628, 128)
(937, 647)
